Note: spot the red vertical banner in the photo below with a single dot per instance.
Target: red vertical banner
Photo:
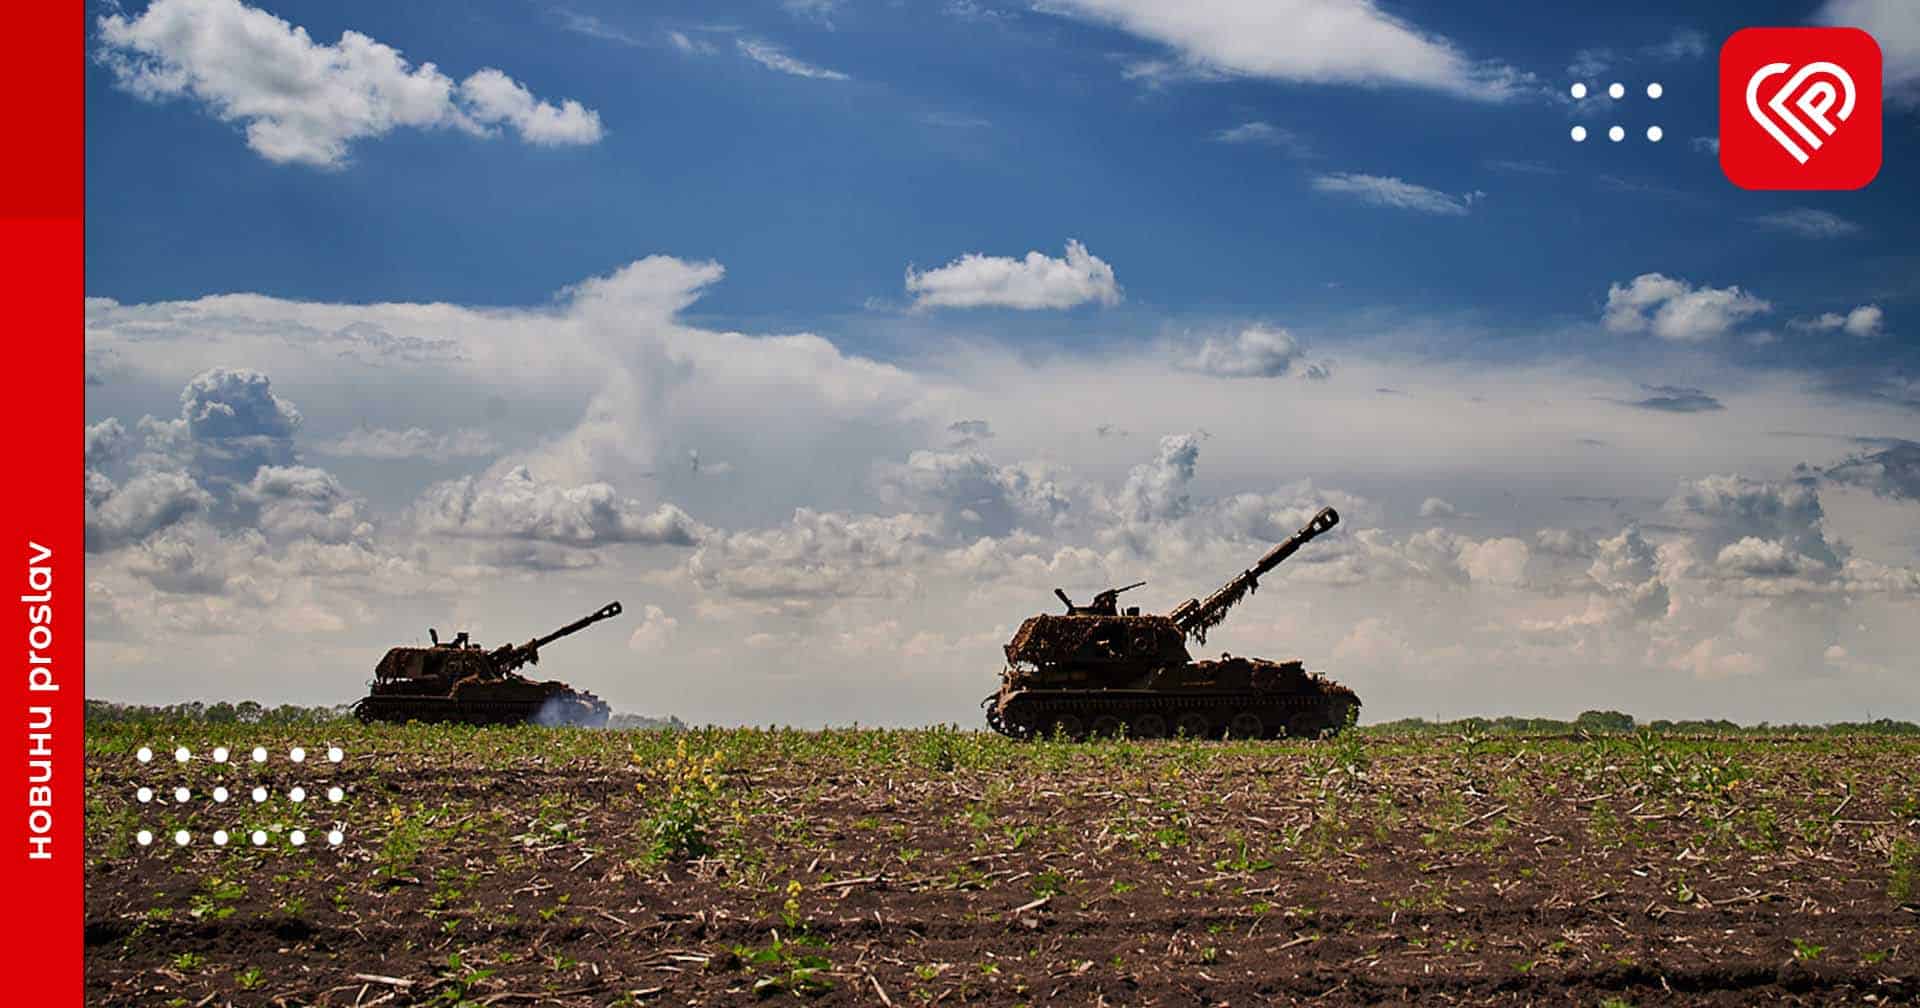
(41, 203)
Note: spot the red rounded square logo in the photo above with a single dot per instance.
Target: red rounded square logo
(1800, 108)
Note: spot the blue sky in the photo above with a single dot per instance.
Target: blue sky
(829, 336)
(995, 134)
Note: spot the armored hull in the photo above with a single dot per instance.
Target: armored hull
(484, 703)
(1274, 700)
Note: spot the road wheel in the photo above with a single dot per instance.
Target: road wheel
(1193, 725)
(1148, 726)
(1304, 726)
(1017, 719)
(1107, 726)
(1246, 725)
(1067, 726)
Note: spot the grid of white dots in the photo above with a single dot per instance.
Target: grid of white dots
(221, 754)
(259, 838)
(1616, 91)
(220, 837)
(295, 794)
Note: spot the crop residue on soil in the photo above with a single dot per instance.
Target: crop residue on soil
(557, 866)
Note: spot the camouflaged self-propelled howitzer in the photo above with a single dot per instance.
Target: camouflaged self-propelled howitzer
(1096, 670)
(459, 681)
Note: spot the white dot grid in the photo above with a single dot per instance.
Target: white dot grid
(1616, 91)
(221, 754)
(220, 837)
(259, 838)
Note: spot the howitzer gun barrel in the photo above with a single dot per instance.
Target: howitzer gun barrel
(1195, 617)
(608, 611)
(512, 656)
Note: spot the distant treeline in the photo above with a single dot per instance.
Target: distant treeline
(249, 712)
(1596, 721)
(244, 712)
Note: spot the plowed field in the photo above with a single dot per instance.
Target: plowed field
(571, 867)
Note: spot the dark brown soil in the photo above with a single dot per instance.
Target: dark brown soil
(920, 868)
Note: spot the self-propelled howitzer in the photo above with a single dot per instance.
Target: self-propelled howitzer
(1096, 670)
(457, 680)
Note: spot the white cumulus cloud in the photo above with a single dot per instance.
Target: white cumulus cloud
(516, 505)
(1676, 310)
(1863, 321)
(305, 102)
(1034, 282)
(1256, 351)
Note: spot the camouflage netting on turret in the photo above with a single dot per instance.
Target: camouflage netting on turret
(1223, 600)
(1051, 640)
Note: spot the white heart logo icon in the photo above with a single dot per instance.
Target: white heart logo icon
(1814, 101)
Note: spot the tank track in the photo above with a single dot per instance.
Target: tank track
(583, 710)
(1079, 714)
